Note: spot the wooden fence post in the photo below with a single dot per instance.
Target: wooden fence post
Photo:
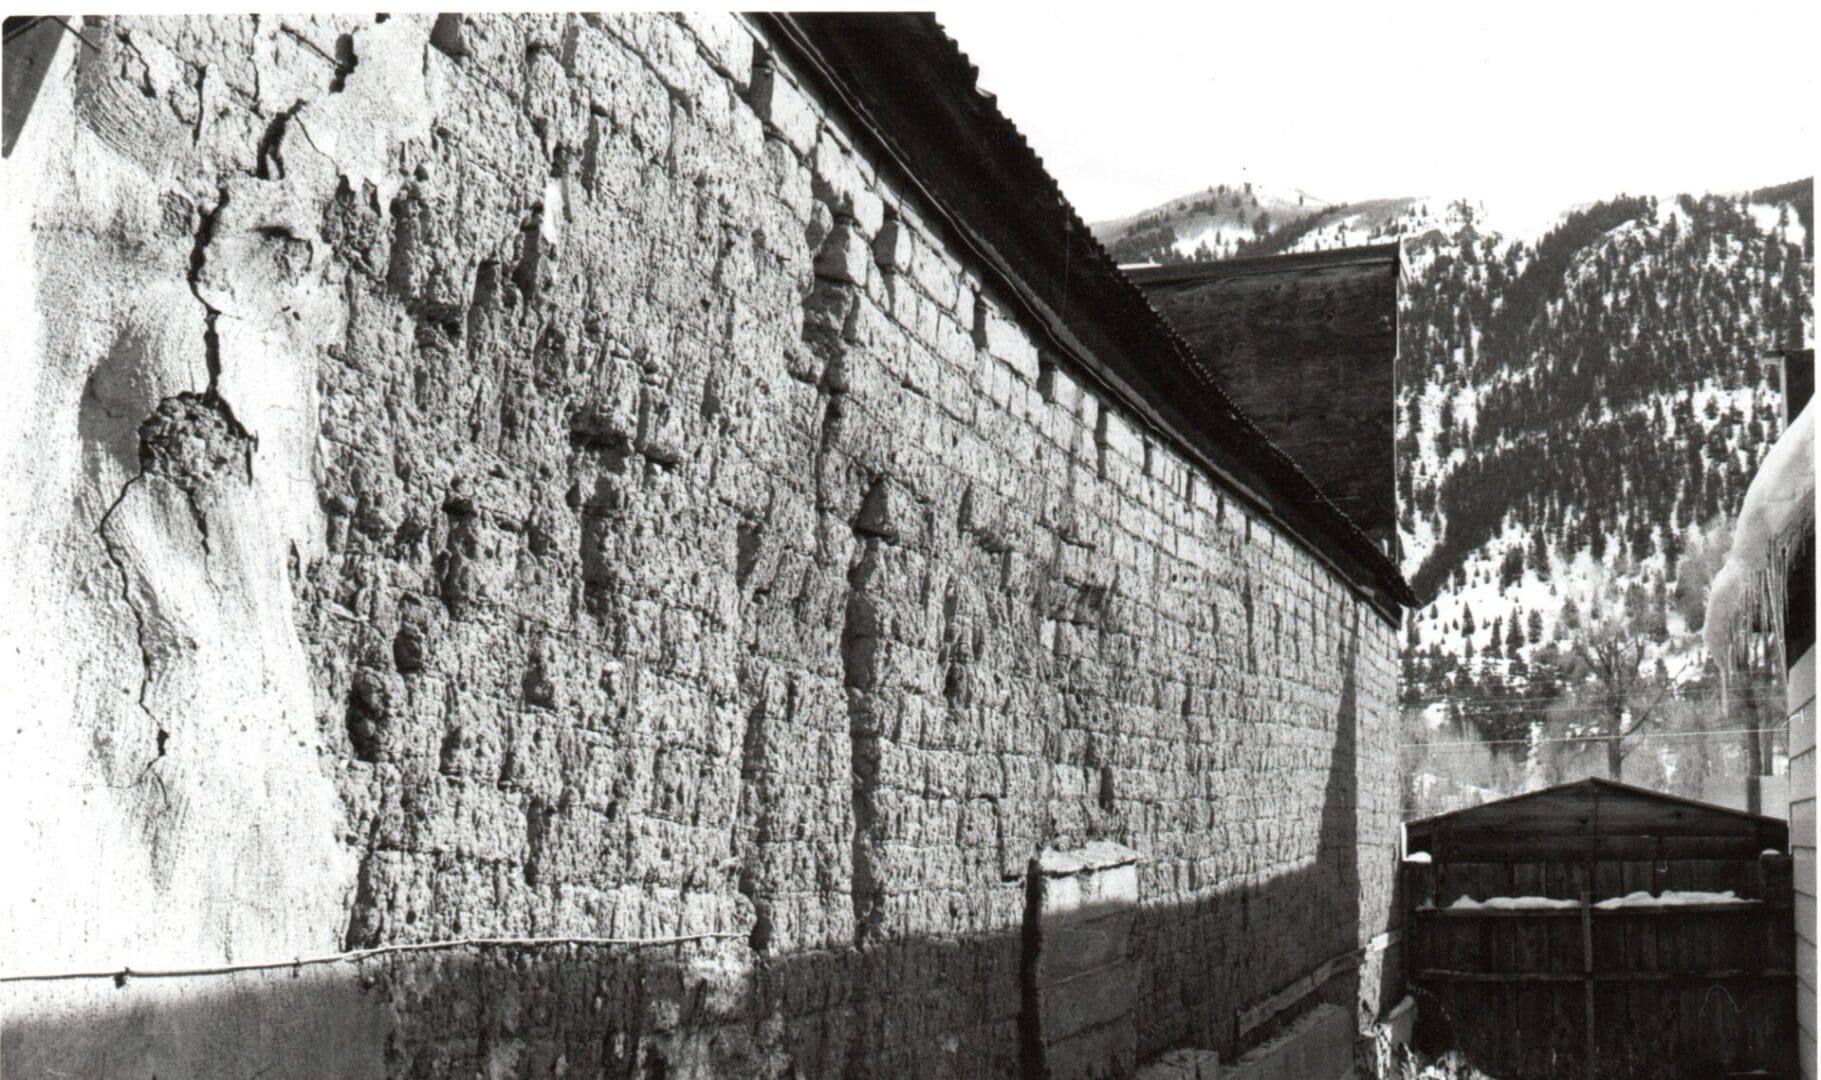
(1587, 975)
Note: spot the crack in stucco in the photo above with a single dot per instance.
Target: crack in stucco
(126, 588)
(363, 926)
(141, 636)
(271, 144)
(211, 334)
(202, 113)
(859, 653)
(211, 339)
(114, 550)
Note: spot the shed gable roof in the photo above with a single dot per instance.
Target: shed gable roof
(1595, 807)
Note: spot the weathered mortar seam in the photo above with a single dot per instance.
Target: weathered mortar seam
(678, 95)
(711, 59)
(863, 748)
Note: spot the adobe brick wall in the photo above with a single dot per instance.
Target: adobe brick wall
(538, 477)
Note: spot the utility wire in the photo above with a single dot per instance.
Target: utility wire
(1592, 738)
(1576, 705)
(78, 34)
(21, 24)
(1691, 695)
(1542, 714)
(120, 977)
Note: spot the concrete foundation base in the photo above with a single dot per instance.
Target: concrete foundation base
(1317, 1047)
(1183, 1065)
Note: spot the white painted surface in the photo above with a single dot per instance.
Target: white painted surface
(1801, 688)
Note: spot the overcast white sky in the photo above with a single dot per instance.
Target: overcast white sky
(1523, 105)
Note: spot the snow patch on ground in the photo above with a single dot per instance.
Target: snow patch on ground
(1518, 219)
(1764, 216)
(1488, 599)
(1451, 1066)
(1432, 787)
(1217, 235)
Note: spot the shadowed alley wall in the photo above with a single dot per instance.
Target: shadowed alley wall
(535, 476)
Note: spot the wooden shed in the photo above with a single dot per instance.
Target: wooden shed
(1600, 929)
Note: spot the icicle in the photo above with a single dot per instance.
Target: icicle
(1777, 514)
(1725, 700)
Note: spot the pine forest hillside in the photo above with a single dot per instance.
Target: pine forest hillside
(1581, 407)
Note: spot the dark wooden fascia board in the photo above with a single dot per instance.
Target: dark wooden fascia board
(1006, 211)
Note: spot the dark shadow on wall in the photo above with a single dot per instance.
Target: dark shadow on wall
(913, 1007)
(30, 51)
(1210, 961)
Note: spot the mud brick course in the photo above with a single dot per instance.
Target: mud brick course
(536, 476)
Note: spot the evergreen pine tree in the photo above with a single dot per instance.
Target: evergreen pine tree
(1511, 568)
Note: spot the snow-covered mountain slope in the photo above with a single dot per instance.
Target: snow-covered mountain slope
(1216, 222)
(1583, 398)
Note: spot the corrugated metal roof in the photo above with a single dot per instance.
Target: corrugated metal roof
(907, 83)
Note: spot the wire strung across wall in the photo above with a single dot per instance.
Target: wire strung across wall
(1584, 695)
(121, 976)
(1469, 743)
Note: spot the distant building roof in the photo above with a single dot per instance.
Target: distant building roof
(1293, 264)
(1307, 343)
(914, 94)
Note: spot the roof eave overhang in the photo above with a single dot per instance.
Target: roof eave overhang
(899, 80)
(1389, 256)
